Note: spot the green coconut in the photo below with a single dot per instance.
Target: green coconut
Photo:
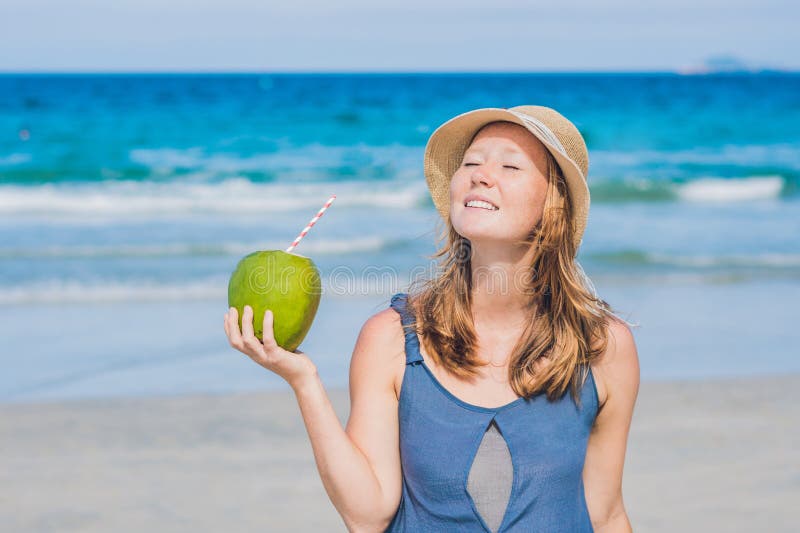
(288, 284)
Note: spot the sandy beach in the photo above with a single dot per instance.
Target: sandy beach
(716, 455)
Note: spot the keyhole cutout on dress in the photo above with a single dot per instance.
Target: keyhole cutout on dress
(490, 477)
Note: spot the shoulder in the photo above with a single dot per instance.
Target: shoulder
(616, 371)
(379, 353)
(384, 328)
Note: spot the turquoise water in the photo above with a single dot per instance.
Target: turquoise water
(121, 193)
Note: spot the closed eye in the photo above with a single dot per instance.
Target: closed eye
(505, 166)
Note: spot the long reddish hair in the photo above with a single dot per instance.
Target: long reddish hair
(568, 321)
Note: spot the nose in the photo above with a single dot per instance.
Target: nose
(480, 176)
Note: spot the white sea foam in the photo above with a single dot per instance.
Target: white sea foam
(233, 196)
(14, 159)
(63, 291)
(55, 291)
(763, 260)
(731, 189)
(782, 154)
(330, 246)
(347, 283)
(287, 161)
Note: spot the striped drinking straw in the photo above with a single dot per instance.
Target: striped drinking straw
(313, 220)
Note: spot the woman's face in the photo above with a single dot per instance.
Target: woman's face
(507, 166)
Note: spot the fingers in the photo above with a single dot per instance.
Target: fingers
(268, 334)
(232, 329)
(247, 322)
(270, 355)
(245, 341)
(248, 336)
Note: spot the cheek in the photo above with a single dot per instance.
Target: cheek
(457, 188)
(527, 205)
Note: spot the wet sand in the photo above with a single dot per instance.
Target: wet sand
(715, 455)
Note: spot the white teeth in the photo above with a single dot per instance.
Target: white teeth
(479, 203)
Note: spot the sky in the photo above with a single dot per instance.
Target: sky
(375, 35)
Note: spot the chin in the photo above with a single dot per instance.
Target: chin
(478, 234)
(483, 233)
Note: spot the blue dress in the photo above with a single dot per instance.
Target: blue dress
(440, 435)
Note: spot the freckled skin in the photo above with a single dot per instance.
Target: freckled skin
(486, 170)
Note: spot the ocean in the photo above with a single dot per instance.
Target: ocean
(127, 200)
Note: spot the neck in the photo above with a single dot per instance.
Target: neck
(498, 299)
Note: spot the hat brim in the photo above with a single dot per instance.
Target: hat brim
(445, 149)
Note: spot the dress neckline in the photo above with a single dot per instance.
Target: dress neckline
(463, 403)
(484, 409)
(445, 391)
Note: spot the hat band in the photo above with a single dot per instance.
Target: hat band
(542, 129)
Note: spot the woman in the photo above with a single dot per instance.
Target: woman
(498, 396)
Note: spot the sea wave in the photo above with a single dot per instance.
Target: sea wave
(274, 162)
(326, 247)
(232, 196)
(284, 160)
(137, 199)
(784, 155)
(335, 285)
(642, 258)
(732, 190)
(701, 189)
(216, 288)
(14, 159)
(63, 291)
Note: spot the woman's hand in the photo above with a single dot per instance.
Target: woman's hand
(294, 367)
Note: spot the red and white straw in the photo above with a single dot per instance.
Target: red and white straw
(313, 221)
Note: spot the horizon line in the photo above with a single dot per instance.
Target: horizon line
(691, 71)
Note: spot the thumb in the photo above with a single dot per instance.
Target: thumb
(268, 335)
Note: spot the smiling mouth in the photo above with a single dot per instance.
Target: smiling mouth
(478, 204)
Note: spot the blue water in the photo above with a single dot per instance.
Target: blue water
(132, 194)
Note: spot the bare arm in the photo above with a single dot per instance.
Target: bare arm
(360, 467)
(605, 455)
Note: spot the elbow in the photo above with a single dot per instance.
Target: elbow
(615, 520)
(367, 526)
(376, 522)
(373, 515)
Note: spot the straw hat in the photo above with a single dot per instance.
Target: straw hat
(446, 146)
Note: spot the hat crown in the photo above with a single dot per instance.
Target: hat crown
(566, 132)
